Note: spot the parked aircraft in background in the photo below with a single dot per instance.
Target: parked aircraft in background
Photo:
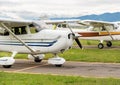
(102, 31)
(92, 30)
(33, 38)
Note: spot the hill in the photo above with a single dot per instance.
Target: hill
(102, 17)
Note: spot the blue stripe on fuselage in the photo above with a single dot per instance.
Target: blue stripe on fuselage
(42, 44)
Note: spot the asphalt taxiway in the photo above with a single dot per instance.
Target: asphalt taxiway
(69, 68)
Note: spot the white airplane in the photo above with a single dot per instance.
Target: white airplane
(94, 30)
(16, 36)
(102, 31)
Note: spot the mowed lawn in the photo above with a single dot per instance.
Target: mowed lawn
(106, 54)
(111, 55)
(74, 54)
(93, 55)
(40, 79)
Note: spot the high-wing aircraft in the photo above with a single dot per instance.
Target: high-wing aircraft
(94, 30)
(102, 31)
(33, 38)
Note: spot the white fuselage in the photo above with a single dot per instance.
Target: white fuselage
(45, 41)
(89, 34)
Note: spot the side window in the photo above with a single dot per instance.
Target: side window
(23, 30)
(3, 32)
(96, 29)
(19, 30)
(6, 33)
(107, 27)
(33, 30)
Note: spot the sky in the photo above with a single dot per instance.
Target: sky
(59, 7)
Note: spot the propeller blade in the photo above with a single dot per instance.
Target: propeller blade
(78, 42)
(76, 38)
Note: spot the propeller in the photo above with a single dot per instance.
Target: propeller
(76, 38)
(78, 42)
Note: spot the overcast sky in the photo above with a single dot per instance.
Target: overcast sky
(61, 7)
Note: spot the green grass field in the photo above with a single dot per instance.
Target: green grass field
(39, 79)
(93, 55)
(74, 54)
(85, 55)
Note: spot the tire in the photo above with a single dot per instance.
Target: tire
(100, 46)
(37, 60)
(59, 65)
(109, 44)
(7, 66)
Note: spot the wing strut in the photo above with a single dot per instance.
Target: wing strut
(109, 33)
(5, 27)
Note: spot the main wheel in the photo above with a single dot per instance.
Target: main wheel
(100, 46)
(58, 65)
(37, 60)
(7, 66)
(109, 44)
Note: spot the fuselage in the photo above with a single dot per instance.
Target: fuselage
(44, 41)
(97, 33)
(93, 35)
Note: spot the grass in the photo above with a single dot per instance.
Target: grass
(74, 54)
(85, 55)
(93, 55)
(95, 42)
(40, 79)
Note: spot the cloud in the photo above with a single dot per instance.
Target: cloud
(60, 7)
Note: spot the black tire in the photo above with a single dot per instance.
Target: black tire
(100, 46)
(7, 66)
(37, 60)
(58, 65)
(109, 44)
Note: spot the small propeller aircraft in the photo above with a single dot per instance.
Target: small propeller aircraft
(35, 39)
(102, 31)
(93, 30)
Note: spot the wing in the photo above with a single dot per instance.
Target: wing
(53, 21)
(95, 23)
(15, 23)
(59, 21)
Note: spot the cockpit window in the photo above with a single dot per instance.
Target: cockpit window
(104, 28)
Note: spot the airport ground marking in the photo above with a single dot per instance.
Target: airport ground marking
(30, 68)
